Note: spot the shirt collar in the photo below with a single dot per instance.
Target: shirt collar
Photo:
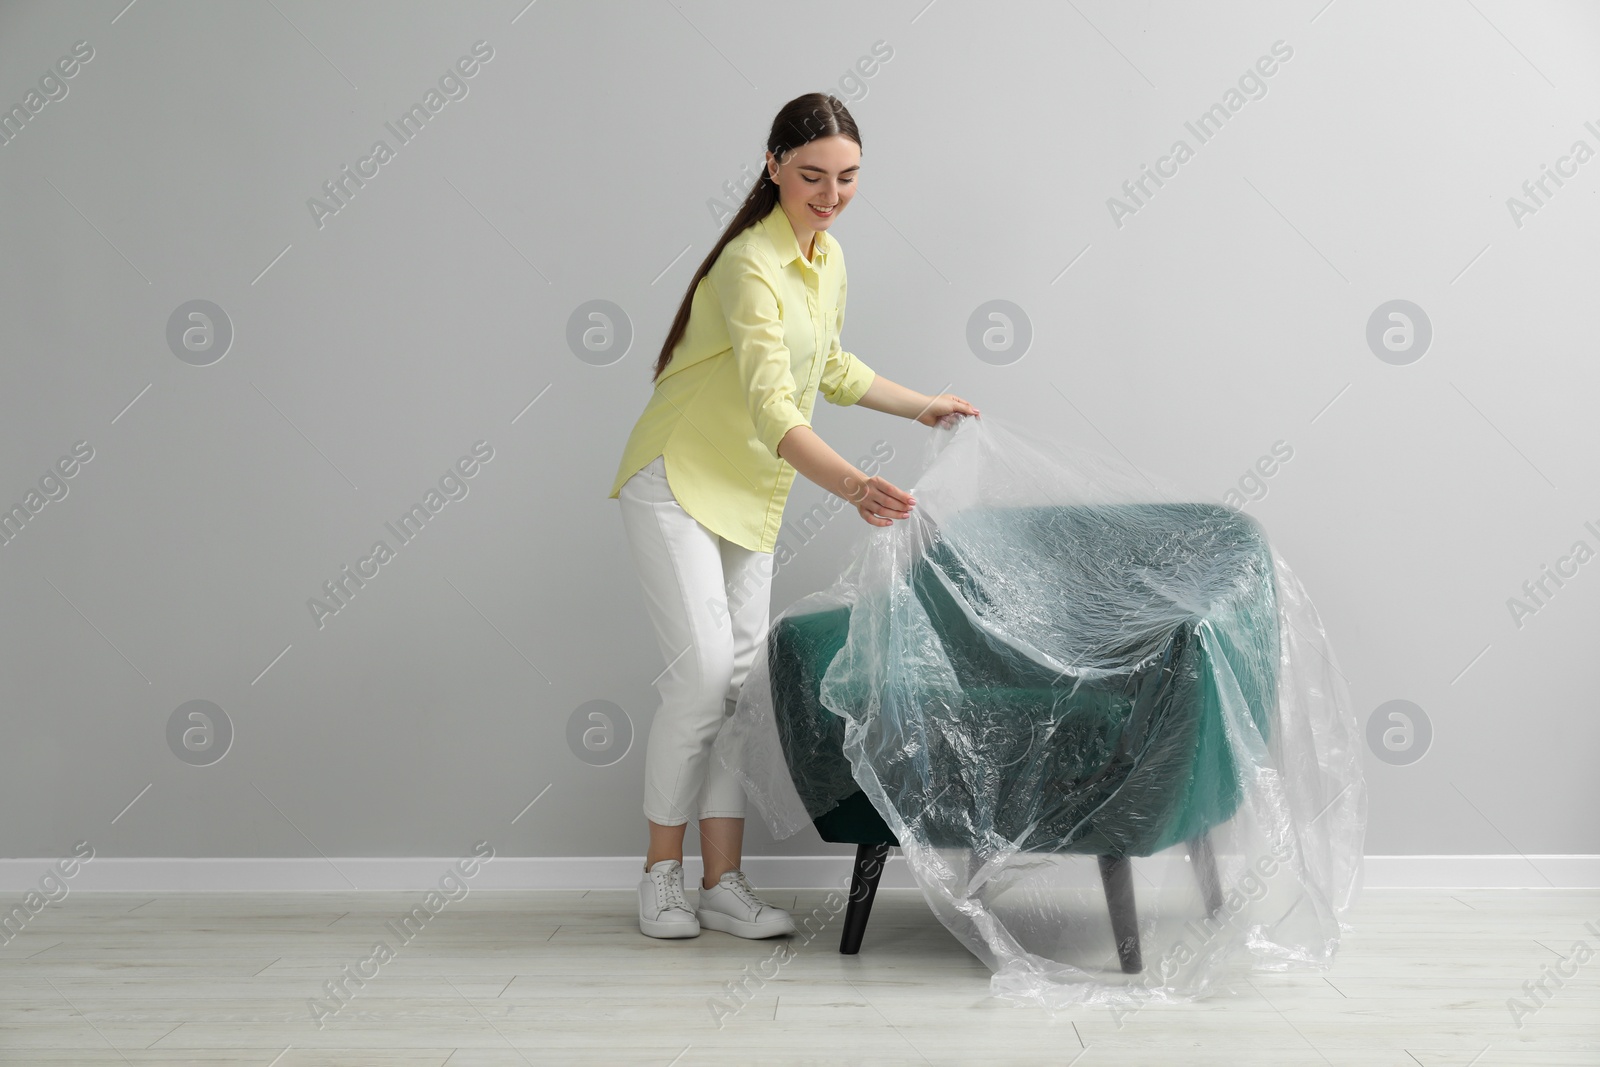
(788, 246)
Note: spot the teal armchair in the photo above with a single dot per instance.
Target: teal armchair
(1114, 763)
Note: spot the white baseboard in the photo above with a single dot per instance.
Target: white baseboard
(1483, 872)
(366, 874)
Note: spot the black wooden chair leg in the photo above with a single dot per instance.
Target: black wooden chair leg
(863, 888)
(1117, 874)
(1205, 869)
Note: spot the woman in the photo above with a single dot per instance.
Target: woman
(705, 475)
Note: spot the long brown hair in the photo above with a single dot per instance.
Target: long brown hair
(799, 122)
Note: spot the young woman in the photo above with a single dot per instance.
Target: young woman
(705, 475)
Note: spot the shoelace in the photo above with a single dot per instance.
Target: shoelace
(669, 889)
(740, 886)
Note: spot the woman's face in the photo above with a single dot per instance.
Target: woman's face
(815, 183)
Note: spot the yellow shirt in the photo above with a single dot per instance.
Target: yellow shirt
(761, 342)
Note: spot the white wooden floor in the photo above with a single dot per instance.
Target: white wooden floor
(508, 979)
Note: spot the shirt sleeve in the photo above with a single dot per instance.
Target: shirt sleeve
(844, 377)
(755, 329)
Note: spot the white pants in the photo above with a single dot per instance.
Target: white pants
(709, 600)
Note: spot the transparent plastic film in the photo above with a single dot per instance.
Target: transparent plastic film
(1102, 721)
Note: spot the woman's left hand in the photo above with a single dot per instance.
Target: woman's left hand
(944, 409)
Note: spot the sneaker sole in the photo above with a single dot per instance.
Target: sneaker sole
(660, 928)
(716, 920)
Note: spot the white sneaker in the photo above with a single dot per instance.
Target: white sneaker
(662, 910)
(732, 907)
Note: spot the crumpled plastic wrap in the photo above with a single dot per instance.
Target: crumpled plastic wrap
(1062, 686)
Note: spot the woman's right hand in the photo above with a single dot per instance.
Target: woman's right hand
(881, 502)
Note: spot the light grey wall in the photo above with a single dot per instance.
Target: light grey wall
(371, 351)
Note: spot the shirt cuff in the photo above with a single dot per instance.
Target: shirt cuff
(776, 420)
(854, 381)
